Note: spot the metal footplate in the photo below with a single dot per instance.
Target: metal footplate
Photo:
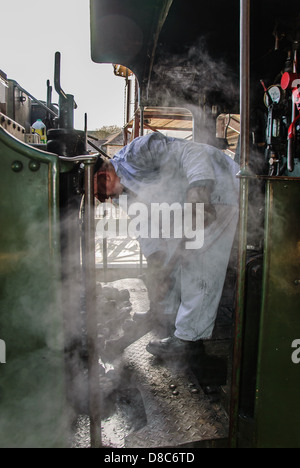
(178, 412)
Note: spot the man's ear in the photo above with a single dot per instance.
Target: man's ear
(108, 176)
(100, 184)
(105, 175)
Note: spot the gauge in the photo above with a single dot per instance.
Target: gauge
(296, 97)
(275, 92)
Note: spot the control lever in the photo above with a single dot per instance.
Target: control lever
(290, 81)
(57, 80)
(66, 101)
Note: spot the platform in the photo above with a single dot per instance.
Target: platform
(177, 410)
(155, 403)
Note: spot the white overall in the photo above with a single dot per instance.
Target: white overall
(161, 169)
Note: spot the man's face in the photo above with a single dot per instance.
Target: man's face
(107, 185)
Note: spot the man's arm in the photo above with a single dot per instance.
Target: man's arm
(202, 194)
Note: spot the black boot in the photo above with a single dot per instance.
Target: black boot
(175, 347)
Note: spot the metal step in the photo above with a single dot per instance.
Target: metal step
(148, 403)
(178, 412)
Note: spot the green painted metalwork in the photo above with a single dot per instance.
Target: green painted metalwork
(240, 306)
(277, 409)
(32, 388)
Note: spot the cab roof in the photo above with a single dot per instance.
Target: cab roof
(163, 39)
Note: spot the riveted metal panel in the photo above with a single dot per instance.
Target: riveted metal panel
(32, 397)
(277, 400)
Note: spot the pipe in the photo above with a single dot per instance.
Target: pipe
(142, 113)
(142, 119)
(128, 101)
(67, 103)
(291, 141)
(89, 268)
(244, 190)
(245, 83)
(57, 81)
(49, 96)
(91, 318)
(100, 150)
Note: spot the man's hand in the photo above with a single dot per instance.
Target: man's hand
(202, 195)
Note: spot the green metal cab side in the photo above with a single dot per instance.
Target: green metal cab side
(32, 393)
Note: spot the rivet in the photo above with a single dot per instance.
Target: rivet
(17, 166)
(34, 166)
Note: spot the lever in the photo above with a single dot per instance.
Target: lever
(57, 80)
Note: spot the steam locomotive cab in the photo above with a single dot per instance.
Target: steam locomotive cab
(226, 74)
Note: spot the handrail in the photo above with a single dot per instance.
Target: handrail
(50, 111)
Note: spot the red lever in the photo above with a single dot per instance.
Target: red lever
(292, 128)
(290, 80)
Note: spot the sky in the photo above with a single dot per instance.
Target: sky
(33, 30)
